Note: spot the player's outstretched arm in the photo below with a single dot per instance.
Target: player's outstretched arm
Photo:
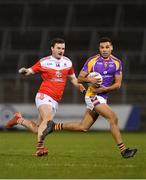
(25, 71)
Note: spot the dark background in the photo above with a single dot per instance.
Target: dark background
(27, 26)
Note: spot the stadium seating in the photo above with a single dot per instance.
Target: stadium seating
(9, 65)
(47, 15)
(93, 15)
(134, 15)
(11, 14)
(28, 40)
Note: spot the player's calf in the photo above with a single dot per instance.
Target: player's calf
(49, 129)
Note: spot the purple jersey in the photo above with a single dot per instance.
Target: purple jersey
(107, 68)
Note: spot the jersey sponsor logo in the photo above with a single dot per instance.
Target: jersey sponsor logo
(104, 72)
(48, 64)
(58, 77)
(58, 74)
(56, 80)
(107, 76)
(105, 64)
(111, 65)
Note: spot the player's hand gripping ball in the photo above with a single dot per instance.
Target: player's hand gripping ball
(98, 77)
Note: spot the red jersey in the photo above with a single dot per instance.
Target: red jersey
(54, 73)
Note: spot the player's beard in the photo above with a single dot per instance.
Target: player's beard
(105, 55)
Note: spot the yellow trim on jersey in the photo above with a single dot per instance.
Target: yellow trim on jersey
(116, 61)
(90, 91)
(91, 62)
(117, 64)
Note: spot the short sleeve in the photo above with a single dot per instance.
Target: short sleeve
(71, 71)
(85, 67)
(119, 70)
(36, 67)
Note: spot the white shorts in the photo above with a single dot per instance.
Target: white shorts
(93, 101)
(41, 99)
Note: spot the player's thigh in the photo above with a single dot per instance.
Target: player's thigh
(89, 118)
(105, 111)
(46, 112)
(46, 105)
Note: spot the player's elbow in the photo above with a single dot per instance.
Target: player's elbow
(79, 80)
(118, 86)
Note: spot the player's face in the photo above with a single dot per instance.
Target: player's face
(58, 50)
(105, 49)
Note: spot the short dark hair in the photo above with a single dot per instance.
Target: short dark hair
(105, 39)
(57, 40)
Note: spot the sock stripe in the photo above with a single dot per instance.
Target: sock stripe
(58, 126)
(121, 146)
(40, 144)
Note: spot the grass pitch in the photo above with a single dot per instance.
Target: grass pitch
(72, 155)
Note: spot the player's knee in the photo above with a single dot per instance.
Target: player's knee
(83, 128)
(113, 119)
(35, 131)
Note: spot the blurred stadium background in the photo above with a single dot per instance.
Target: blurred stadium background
(27, 26)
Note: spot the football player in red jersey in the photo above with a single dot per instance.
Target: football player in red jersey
(54, 70)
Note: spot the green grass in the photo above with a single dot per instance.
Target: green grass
(72, 155)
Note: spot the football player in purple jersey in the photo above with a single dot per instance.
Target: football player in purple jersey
(96, 97)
